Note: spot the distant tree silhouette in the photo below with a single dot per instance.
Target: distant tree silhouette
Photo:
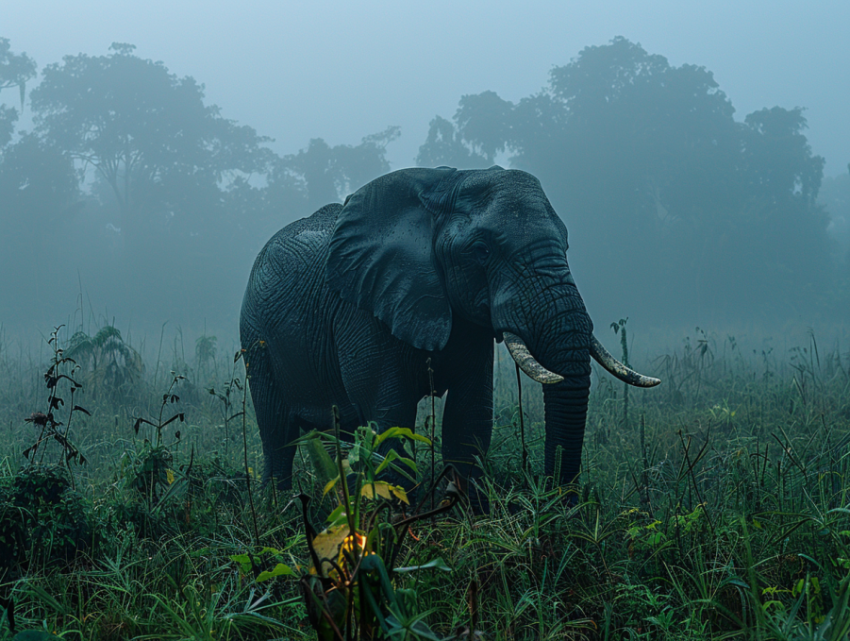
(15, 71)
(834, 197)
(648, 166)
(445, 146)
(325, 174)
(146, 132)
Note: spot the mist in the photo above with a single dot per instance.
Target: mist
(699, 157)
(327, 441)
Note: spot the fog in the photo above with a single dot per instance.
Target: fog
(698, 154)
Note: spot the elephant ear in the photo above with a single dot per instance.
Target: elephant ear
(381, 254)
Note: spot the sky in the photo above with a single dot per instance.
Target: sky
(343, 70)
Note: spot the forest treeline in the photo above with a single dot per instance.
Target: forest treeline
(131, 184)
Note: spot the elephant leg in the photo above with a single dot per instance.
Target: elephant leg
(378, 374)
(384, 394)
(276, 422)
(468, 413)
(397, 413)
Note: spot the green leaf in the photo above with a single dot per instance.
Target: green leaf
(400, 432)
(279, 570)
(269, 551)
(337, 516)
(418, 629)
(325, 466)
(391, 456)
(244, 562)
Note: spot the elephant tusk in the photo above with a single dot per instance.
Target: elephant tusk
(527, 363)
(615, 367)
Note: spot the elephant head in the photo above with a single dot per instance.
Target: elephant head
(421, 248)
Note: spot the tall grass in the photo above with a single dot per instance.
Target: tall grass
(718, 509)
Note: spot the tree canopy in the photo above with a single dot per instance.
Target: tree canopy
(834, 197)
(446, 146)
(671, 201)
(148, 133)
(15, 71)
(648, 166)
(324, 174)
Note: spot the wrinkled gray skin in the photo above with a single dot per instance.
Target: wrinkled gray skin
(345, 307)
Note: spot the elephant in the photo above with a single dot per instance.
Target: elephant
(421, 269)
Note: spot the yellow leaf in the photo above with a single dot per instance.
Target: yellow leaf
(400, 494)
(329, 486)
(384, 490)
(170, 475)
(374, 490)
(327, 544)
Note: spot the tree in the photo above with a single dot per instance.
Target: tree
(648, 166)
(325, 174)
(778, 157)
(484, 119)
(38, 184)
(157, 199)
(834, 197)
(39, 201)
(15, 71)
(445, 146)
(147, 133)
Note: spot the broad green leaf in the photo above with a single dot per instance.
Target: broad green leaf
(337, 516)
(325, 466)
(244, 560)
(279, 570)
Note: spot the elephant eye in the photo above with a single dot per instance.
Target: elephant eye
(480, 252)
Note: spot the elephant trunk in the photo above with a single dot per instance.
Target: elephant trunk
(549, 334)
(566, 352)
(566, 411)
(556, 335)
(565, 397)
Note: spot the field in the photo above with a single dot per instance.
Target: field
(714, 506)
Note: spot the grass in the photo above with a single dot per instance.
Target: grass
(720, 509)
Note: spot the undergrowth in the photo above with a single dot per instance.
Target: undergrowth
(714, 506)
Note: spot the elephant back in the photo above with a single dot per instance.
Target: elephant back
(323, 221)
(300, 243)
(291, 260)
